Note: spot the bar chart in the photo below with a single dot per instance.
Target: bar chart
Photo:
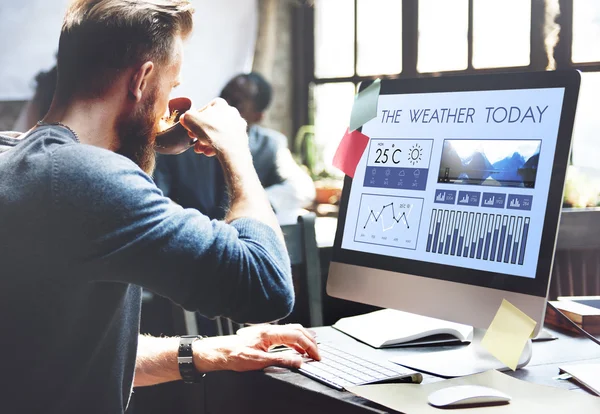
(480, 236)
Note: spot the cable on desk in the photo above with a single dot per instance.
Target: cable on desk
(574, 325)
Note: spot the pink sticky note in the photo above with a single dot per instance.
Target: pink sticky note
(348, 154)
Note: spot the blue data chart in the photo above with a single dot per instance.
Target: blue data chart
(389, 221)
(469, 198)
(493, 200)
(444, 197)
(519, 202)
(481, 236)
(398, 163)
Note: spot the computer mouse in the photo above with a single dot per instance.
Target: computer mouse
(464, 395)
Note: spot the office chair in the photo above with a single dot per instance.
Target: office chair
(300, 239)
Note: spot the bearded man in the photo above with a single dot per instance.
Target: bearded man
(84, 227)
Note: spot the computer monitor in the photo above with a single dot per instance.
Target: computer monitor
(456, 200)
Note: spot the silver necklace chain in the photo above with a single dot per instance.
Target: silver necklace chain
(42, 123)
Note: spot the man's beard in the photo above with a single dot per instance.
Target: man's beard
(137, 134)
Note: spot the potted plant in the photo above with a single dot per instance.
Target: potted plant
(309, 153)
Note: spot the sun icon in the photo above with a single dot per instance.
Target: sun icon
(415, 153)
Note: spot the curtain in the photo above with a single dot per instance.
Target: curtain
(273, 59)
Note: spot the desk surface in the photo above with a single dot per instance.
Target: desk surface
(280, 390)
(325, 228)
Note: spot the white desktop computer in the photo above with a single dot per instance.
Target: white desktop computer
(456, 200)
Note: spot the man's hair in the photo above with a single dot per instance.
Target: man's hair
(44, 91)
(260, 93)
(262, 99)
(100, 38)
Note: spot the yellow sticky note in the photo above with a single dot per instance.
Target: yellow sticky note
(508, 333)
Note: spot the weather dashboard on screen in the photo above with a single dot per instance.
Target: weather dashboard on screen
(457, 178)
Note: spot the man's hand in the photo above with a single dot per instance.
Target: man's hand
(248, 350)
(221, 131)
(219, 128)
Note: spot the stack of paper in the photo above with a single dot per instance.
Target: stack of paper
(586, 374)
(389, 327)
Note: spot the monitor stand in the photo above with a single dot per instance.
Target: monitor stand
(458, 362)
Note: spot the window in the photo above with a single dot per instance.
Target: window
(334, 38)
(357, 40)
(586, 132)
(586, 31)
(333, 104)
(354, 40)
(501, 33)
(379, 37)
(443, 31)
(585, 56)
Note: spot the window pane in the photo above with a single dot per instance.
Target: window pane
(443, 27)
(379, 37)
(501, 33)
(586, 31)
(586, 145)
(332, 105)
(334, 38)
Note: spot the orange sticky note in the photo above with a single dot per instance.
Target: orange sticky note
(350, 151)
(508, 333)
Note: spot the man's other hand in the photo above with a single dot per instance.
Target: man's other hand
(219, 128)
(249, 349)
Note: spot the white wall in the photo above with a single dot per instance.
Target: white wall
(29, 31)
(222, 45)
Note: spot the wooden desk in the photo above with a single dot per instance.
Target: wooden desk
(283, 391)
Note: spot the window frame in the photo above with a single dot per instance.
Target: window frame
(304, 48)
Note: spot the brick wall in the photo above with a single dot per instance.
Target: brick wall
(273, 59)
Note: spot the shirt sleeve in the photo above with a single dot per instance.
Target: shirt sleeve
(119, 227)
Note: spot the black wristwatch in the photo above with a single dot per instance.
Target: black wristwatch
(185, 360)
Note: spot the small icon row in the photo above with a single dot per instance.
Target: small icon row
(487, 200)
(399, 172)
(396, 178)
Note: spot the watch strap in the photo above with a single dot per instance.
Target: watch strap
(185, 359)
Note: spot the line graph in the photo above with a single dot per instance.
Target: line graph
(394, 219)
(388, 220)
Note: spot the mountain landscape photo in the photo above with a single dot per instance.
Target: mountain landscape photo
(472, 165)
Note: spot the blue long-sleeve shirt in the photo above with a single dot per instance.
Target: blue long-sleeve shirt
(81, 230)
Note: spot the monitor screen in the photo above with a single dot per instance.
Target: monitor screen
(455, 184)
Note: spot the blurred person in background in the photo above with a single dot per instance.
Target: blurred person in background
(198, 182)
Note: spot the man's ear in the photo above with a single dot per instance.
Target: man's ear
(139, 80)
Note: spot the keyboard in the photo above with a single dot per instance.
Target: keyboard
(340, 369)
